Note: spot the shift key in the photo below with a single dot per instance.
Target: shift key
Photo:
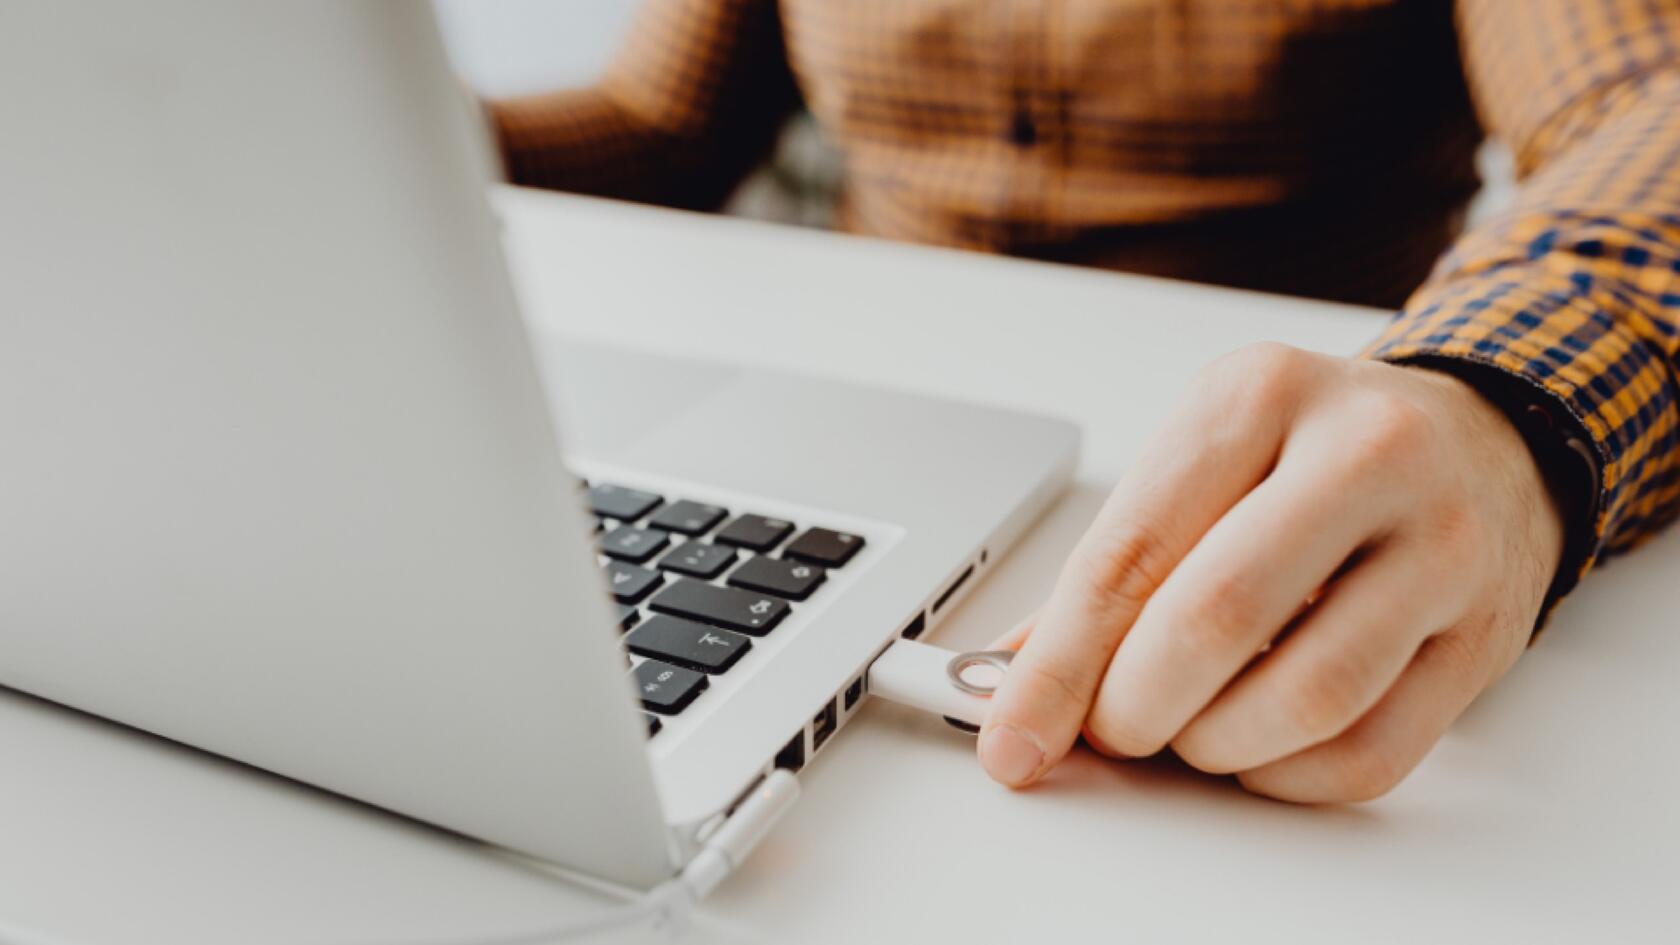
(724, 607)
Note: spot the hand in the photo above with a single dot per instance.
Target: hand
(1312, 569)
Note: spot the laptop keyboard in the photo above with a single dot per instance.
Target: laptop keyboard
(694, 585)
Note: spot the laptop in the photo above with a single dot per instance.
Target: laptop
(287, 479)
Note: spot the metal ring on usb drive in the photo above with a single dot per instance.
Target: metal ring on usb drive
(962, 662)
(934, 679)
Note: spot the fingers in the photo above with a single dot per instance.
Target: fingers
(1184, 482)
(1379, 750)
(1262, 591)
(1225, 601)
(1334, 666)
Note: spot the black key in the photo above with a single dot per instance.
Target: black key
(687, 644)
(654, 725)
(626, 505)
(626, 616)
(629, 543)
(698, 559)
(667, 689)
(794, 580)
(830, 549)
(629, 583)
(720, 606)
(755, 532)
(688, 518)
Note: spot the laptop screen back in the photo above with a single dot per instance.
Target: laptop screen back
(280, 481)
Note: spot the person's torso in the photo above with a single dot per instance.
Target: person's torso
(1228, 140)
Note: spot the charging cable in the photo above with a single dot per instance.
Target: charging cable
(915, 674)
(955, 685)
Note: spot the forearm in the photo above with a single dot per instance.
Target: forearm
(582, 141)
(686, 109)
(1576, 293)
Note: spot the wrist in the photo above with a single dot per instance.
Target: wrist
(1559, 447)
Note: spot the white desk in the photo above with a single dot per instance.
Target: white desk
(1547, 815)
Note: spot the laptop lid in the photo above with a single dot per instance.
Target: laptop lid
(280, 481)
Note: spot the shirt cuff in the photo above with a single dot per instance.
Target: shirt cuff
(1541, 385)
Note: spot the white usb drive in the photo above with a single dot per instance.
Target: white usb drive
(955, 685)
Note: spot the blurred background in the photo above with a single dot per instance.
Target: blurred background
(507, 47)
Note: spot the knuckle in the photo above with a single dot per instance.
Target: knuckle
(1463, 652)
(1388, 434)
(1120, 735)
(1264, 356)
(1124, 562)
(1456, 529)
(1260, 375)
(1221, 618)
(1054, 686)
(1101, 747)
(1362, 772)
(1204, 750)
(1325, 700)
(1261, 781)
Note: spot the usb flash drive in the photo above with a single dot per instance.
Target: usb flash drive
(955, 685)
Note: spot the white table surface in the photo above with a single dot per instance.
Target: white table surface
(1548, 814)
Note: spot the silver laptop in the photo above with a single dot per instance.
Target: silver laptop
(282, 478)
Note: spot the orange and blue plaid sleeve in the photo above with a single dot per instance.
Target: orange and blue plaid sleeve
(1574, 292)
(690, 104)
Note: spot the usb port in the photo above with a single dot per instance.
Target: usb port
(854, 692)
(914, 628)
(824, 725)
(792, 756)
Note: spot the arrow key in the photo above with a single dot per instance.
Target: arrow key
(629, 583)
(687, 644)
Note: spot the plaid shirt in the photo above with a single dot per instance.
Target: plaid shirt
(1319, 147)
